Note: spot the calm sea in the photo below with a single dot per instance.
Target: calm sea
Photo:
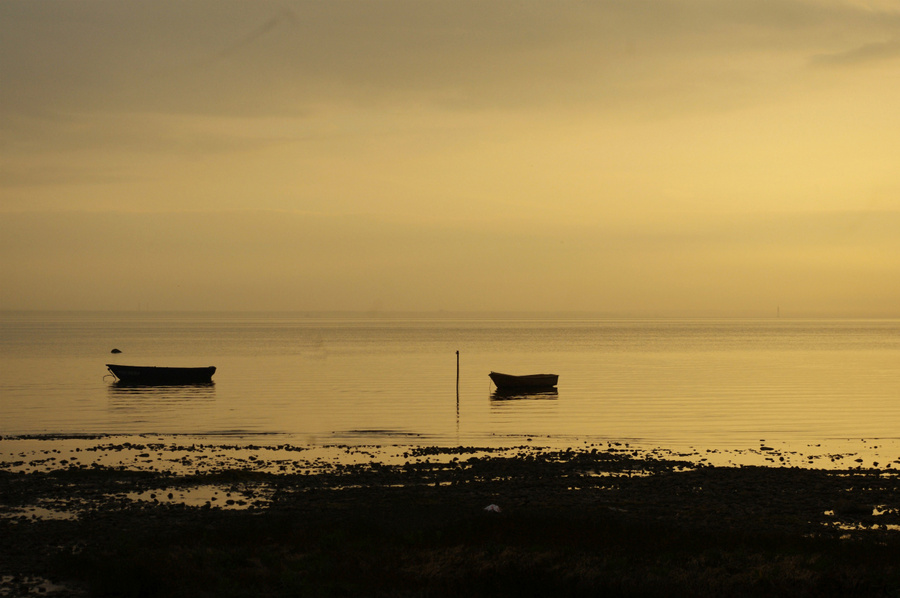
(370, 380)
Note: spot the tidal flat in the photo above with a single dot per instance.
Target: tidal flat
(100, 517)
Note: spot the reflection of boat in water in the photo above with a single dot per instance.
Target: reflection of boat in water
(515, 395)
(139, 375)
(531, 382)
(171, 406)
(171, 393)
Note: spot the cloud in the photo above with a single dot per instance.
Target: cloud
(259, 58)
(283, 17)
(865, 54)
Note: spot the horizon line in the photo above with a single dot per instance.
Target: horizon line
(473, 313)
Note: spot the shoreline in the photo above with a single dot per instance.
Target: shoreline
(423, 520)
(43, 452)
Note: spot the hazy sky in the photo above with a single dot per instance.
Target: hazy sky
(633, 157)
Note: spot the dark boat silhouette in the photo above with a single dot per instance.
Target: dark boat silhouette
(147, 375)
(529, 382)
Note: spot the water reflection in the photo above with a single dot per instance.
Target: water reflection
(124, 392)
(514, 395)
(168, 409)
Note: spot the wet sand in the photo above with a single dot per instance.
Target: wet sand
(109, 518)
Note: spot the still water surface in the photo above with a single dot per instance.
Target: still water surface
(706, 383)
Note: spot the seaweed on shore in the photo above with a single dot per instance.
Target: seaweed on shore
(570, 523)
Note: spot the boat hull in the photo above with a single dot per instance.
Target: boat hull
(152, 375)
(529, 382)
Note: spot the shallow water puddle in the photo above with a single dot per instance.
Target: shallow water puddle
(37, 512)
(868, 522)
(861, 527)
(210, 496)
(636, 473)
(203, 496)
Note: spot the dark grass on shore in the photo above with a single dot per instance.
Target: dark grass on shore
(571, 525)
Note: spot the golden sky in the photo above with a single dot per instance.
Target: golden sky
(626, 157)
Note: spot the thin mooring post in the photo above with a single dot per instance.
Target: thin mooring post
(457, 396)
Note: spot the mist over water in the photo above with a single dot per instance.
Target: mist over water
(375, 380)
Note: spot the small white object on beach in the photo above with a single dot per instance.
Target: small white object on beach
(492, 508)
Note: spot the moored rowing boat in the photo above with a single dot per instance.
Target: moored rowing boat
(141, 374)
(529, 382)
